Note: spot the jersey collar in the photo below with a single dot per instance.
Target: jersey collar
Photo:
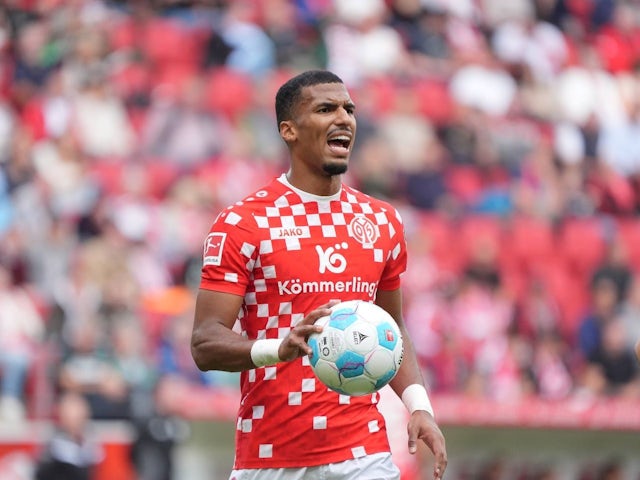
(309, 197)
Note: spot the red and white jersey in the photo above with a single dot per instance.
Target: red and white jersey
(288, 252)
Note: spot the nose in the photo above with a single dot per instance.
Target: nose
(343, 117)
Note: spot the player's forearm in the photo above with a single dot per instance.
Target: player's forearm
(409, 383)
(410, 372)
(215, 347)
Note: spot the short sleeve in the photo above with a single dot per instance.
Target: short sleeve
(229, 254)
(397, 261)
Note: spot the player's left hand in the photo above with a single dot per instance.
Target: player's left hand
(295, 344)
(422, 426)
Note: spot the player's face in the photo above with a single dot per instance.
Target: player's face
(323, 128)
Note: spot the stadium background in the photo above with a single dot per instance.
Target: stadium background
(507, 133)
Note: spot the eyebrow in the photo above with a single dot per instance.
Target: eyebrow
(336, 103)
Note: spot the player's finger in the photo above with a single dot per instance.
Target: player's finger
(440, 456)
(314, 315)
(300, 334)
(295, 344)
(437, 473)
(413, 440)
(439, 466)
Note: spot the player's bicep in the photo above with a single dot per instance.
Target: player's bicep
(214, 345)
(214, 307)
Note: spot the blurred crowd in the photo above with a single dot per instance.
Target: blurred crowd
(507, 133)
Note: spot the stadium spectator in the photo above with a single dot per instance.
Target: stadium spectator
(616, 361)
(296, 42)
(616, 267)
(158, 431)
(480, 312)
(551, 368)
(88, 369)
(425, 31)
(616, 142)
(618, 40)
(584, 91)
(484, 85)
(101, 124)
(252, 50)
(34, 62)
(629, 313)
(72, 452)
(21, 331)
(539, 47)
(407, 132)
(131, 357)
(602, 308)
(360, 45)
(180, 128)
(537, 312)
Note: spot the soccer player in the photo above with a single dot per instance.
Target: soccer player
(275, 262)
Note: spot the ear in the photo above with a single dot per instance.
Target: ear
(288, 131)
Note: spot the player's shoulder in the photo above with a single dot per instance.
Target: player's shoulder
(376, 205)
(253, 203)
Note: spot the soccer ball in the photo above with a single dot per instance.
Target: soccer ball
(359, 349)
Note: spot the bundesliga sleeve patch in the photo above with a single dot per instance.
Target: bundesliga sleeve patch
(213, 246)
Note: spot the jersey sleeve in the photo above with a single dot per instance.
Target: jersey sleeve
(229, 254)
(397, 261)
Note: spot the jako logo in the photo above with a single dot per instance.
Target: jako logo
(331, 260)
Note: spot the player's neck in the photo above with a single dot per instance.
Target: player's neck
(320, 186)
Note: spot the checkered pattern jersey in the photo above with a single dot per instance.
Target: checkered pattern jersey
(287, 253)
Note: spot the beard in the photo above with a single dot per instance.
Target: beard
(333, 169)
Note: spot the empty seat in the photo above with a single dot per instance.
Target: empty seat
(229, 92)
(582, 244)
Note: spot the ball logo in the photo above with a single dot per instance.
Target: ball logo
(358, 337)
(331, 260)
(363, 230)
(325, 349)
(389, 335)
(331, 343)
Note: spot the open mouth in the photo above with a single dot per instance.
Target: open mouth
(339, 144)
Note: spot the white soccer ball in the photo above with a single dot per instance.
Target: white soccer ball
(359, 350)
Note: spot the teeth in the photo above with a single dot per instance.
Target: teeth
(342, 138)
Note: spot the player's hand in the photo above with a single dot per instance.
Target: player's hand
(422, 426)
(295, 344)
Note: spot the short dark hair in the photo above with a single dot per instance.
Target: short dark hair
(290, 92)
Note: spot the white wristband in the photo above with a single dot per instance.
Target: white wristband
(415, 397)
(265, 352)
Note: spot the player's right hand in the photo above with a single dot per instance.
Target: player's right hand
(295, 344)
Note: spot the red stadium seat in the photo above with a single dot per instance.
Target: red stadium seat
(582, 245)
(439, 239)
(162, 175)
(464, 183)
(380, 93)
(629, 231)
(122, 34)
(530, 242)
(173, 77)
(434, 100)
(229, 92)
(168, 41)
(571, 295)
(131, 79)
(478, 229)
(108, 176)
